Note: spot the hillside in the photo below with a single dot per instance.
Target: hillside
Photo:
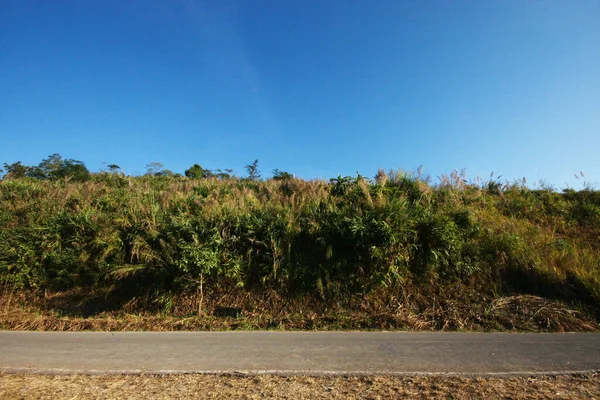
(171, 252)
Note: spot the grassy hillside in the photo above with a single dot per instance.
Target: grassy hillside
(456, 252)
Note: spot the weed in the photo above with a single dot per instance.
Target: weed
(144, 237)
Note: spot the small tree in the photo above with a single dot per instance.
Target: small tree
(253, 172)
(281, 175)
(197, 172)
(113, 168)
(154, 168)
(166, 172)
(228, 174)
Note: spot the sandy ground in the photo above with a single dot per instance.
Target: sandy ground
(297, 387)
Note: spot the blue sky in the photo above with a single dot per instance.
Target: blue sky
(316, 88)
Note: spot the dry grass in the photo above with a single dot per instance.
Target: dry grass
(65, 311)
(297, 387)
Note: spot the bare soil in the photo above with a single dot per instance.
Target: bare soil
(296, 387)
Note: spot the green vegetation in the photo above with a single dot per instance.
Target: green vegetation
(163, 235)
(54, 167)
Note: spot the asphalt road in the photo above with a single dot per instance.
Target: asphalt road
(289, 353)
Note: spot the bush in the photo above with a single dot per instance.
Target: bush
(349, 236)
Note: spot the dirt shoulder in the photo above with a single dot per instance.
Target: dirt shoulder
(299, 387)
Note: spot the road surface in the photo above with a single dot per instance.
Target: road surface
(290, 353)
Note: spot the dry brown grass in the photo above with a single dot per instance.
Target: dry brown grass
(69, 311)
(297, 387)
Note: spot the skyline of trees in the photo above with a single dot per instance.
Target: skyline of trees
(56, 167)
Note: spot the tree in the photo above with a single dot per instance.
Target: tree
(113, 168)
(35, 172)
(74, 169)
(15, 170)
(281, 175)
(228, 174)
(51, 166)
(154, 168)
(166, 172)
(253, 172)
(55, 167)
(197, 172)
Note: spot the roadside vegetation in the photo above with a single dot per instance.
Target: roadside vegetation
(297, 387)
(209, 250)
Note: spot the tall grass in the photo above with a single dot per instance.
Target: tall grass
(347, 236)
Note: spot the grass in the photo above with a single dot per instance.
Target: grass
(296, 387)
(395, 253)
(240, 310)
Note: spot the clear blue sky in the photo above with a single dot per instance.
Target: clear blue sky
(316, 88)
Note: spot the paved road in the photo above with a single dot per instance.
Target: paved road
(314, 353)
